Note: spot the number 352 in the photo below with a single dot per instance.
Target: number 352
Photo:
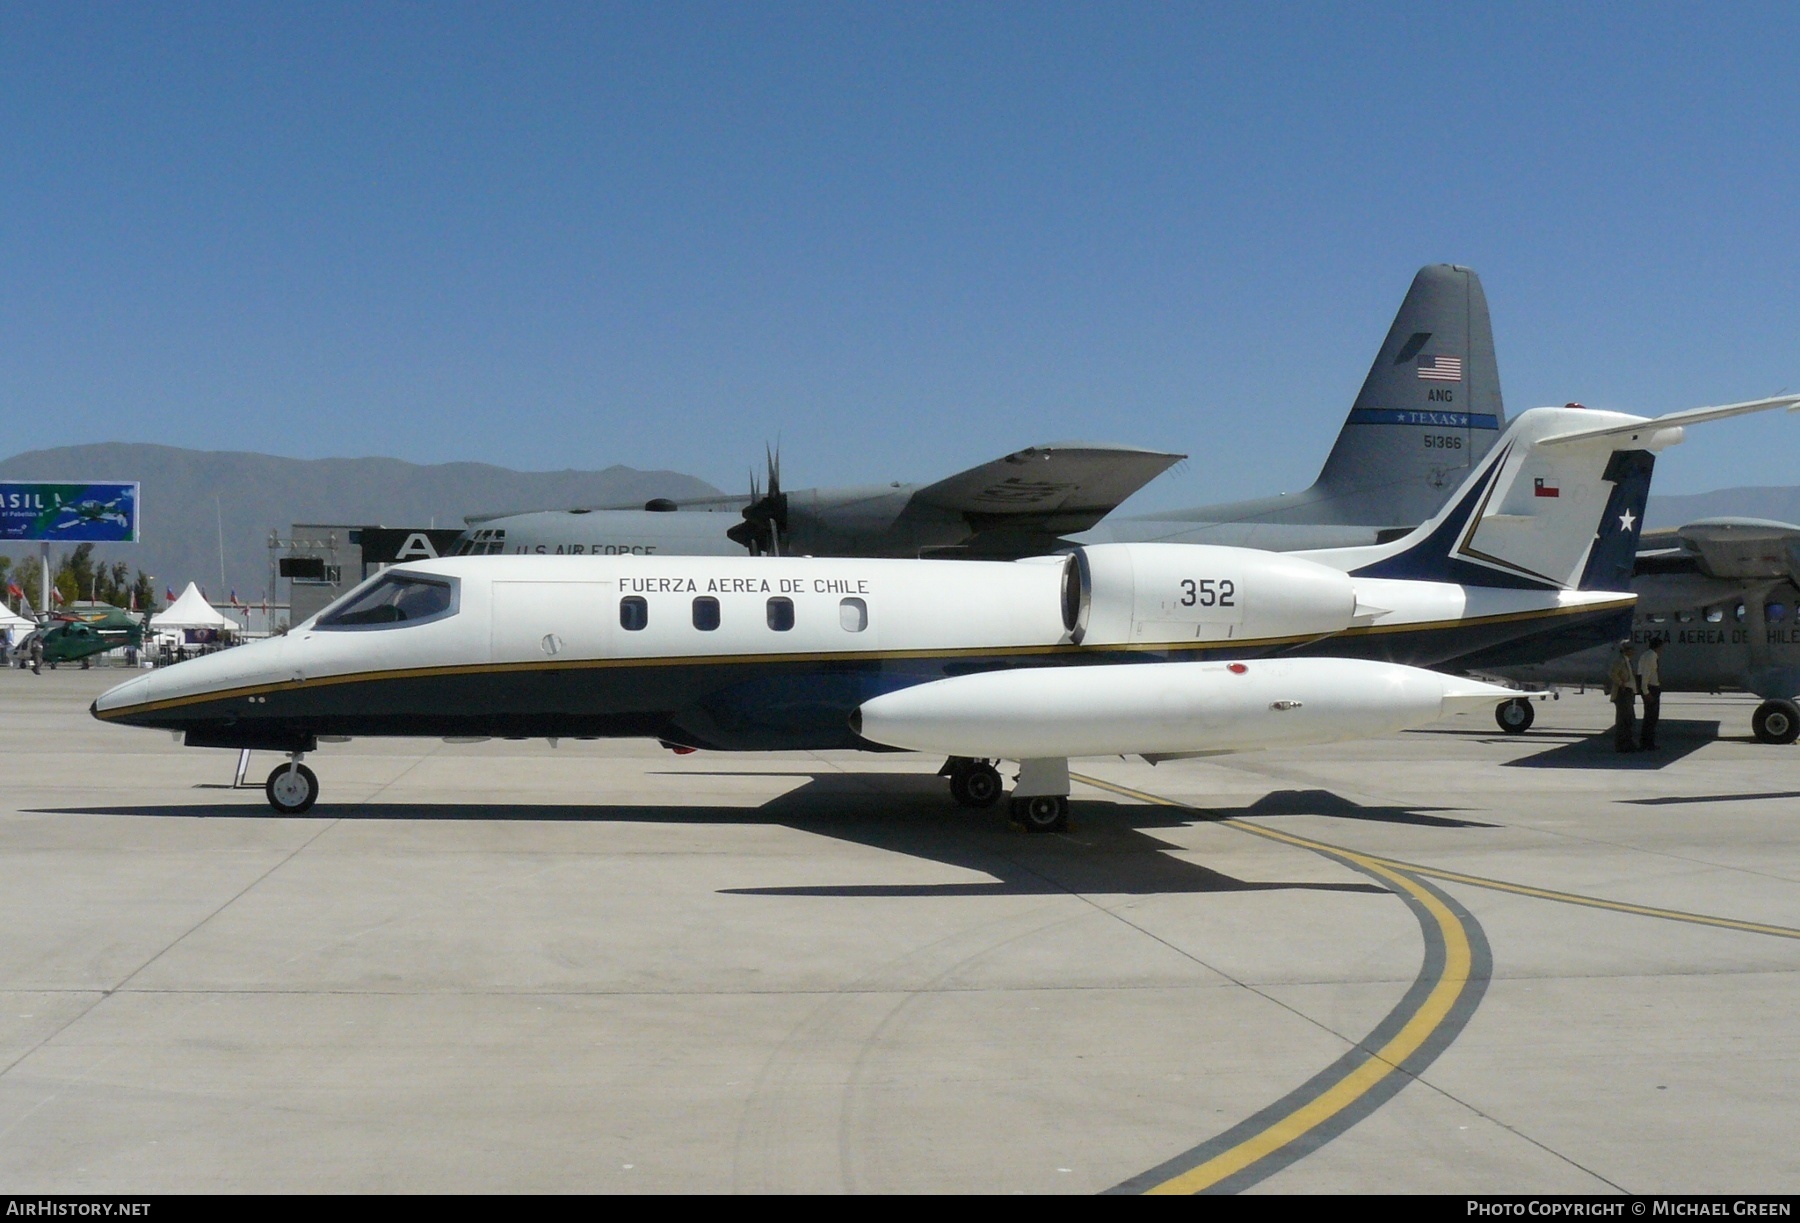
(1208, 592)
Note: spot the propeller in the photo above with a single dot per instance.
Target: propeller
(766, 517)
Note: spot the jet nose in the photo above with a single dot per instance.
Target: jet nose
(191, 683)
(132, 692)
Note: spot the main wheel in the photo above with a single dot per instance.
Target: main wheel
(1042, 813)
(1515, 716)
(1776, 721)
(977, 785)
(292, 788)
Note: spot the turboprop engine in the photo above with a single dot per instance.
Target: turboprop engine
(1136, 594)
(1166, 708)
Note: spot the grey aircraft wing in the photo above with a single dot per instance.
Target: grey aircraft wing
(1732, 549)
(1043, 491)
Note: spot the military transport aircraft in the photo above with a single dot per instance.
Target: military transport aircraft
(1428, 411)
(1017, 505)
(1721, 594)
(1153, 649)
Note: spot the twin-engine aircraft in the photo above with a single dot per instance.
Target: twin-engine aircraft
(1159, 650)
(1723, 596)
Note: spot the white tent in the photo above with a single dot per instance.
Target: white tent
(191, 610)
(9, 619)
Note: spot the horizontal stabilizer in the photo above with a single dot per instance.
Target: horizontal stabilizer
(1064, 487)
(1643, 430)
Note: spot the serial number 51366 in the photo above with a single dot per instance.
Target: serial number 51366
(1208, 592)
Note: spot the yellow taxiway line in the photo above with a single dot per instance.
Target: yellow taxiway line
(1349, 1090)
(1449, 985)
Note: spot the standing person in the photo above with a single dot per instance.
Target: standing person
(37, 653)
(1650, 681)
(1621, 685)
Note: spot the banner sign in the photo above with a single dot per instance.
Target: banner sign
(396, 545)
(75, 513)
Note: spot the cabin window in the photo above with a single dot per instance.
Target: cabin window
(634, 613)
(706, 613)
(392, 599)
(1775, 613)
(781, 614)
(853, 614)
(1715, 615)
(1686, 617)
(1739, 613)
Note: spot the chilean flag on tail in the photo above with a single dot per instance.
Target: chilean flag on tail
(1544, 486)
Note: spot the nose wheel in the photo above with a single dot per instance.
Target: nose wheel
(292, 788)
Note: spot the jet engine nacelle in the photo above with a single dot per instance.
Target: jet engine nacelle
(1128, 594)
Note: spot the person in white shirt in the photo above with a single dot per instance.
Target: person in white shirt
(1650, 684)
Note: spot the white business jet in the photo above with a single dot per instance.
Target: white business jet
(1158, 650)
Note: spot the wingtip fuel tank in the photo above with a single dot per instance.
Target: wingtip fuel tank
(1167, 708)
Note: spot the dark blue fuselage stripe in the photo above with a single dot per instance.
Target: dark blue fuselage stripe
(1440, 420)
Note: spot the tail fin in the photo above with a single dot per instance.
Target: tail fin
(1557, 504)
(1429, 410)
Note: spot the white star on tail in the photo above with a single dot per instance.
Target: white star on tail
(1625, 520)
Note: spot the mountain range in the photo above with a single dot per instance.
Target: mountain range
(194, 499)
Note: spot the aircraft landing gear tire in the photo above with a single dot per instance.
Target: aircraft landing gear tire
(976, 784)
(1515, 716)
(292, 788)
(1042, 813)
(1776, 722)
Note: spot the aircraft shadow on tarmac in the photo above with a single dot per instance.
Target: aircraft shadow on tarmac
(1676, 738)
(1110, 849)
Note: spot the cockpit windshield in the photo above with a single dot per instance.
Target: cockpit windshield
(396, 599)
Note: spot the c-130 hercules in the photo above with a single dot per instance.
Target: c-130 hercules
(1427, 412)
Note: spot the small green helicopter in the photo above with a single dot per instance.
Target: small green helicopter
(75, 635)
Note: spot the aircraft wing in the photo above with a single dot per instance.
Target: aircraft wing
(1744, 548)
(1046, 490)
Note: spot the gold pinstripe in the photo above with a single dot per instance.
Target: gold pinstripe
(831, 656)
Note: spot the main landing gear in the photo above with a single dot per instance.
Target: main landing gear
(1776, 722)
(973, 783)
(1515, 716)
(1040, 798)
(1041, 813)
(292, 787)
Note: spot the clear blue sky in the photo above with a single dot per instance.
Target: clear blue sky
(901, 238)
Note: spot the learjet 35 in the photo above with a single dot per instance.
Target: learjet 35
(1151, 649)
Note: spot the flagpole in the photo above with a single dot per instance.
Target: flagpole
(221, 516)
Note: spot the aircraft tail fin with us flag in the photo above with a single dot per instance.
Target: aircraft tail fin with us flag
(1429, 410)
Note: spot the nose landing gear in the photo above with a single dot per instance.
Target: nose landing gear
(292, 788)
